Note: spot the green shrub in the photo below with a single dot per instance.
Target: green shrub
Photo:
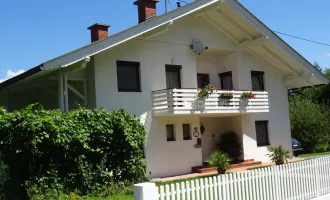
(230, 143)
(309, 124)
(83, 150)
(278, 155)
(219, 160)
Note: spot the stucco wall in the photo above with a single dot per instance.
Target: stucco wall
(175, 157)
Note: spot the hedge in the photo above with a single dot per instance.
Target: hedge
(85, 151)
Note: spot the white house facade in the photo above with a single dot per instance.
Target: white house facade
(153, 72)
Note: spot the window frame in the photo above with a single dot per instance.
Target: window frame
(221, 75)
(121, 63)
(173, 129)
(266, 123)
(261, 74)
(173, 68)
(189, 132)
(203, 74)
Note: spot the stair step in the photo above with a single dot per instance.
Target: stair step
(246, 164)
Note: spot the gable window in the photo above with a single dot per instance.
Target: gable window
(186, 131)
(170, 132)
(128, 76)
(226, 80)
(203, 80)
(257, 78)
(262, 133)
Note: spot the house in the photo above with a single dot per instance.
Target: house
(153, 70)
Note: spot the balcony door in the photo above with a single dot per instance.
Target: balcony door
(173, 76)
(226, 80)
(202, 80)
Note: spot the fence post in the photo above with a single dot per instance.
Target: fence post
(317, 176)
(145, 191)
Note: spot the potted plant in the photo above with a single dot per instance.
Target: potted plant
(247, 95)
(205, 92)
(219, 160)
(227, 95)
(279, 155)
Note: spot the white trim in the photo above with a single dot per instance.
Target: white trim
(275, 39)
(135, 31)
(253, 43)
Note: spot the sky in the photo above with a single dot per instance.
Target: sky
(34, 31)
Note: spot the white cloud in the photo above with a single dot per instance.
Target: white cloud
(328, 55)
(11, 74)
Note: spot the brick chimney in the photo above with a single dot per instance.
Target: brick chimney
(98, 31)
(146, 9)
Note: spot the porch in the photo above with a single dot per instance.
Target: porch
(185, 101)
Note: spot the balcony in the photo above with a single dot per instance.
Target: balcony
(185, 101)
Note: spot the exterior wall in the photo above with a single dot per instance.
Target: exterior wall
(278, 117)
(175, 157)
(91, 96)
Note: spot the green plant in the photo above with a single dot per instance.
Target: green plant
(219, 160)
(247, 95)
(85, 151)
(227, 95)
(205, 92)
(230, 143)
(310, 124)
(278, 155)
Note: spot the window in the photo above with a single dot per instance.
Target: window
(226, 80)
(186, 131)
(173, 76)
(170, 132)
(257, 80)
(202, 80)
(128, 76)
(262, 133)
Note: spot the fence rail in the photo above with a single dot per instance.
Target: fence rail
(185, 101)
(294, 181)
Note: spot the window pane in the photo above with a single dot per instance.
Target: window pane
(262, 133)
(202, 80)
(226, 81)
(186, 131)
(257, 80)
(170, 133)
(128, 77)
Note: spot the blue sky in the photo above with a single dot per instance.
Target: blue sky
(35, 31)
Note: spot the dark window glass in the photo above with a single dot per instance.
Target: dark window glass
(186, 131)
(262, 133)
(128, 76)
(170, 132)
(226, 81)
(257, 80)
(173, 77)
(202, 80)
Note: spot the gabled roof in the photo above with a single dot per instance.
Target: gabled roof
(151, 24)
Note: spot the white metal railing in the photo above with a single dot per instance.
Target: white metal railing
(300, 180)
(186, 101)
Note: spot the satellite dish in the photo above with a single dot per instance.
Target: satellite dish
(198, 46)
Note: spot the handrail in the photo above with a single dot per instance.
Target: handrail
(214, 89)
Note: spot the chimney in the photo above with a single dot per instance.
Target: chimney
(98, 31)
(146, 9)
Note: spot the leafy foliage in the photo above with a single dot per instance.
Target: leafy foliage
(219, 160)
(310, 124)
(278, 155)
(205, 92)
(227, 95)
(82, 150)
(247, 95)
(230, 143)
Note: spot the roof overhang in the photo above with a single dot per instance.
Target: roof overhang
(260, 37)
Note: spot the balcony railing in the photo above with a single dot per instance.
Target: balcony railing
(186, 101)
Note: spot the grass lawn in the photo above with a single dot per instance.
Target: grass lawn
(115, 197)
(314, 154)
(252, 168)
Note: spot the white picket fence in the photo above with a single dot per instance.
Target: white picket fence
(294, 181)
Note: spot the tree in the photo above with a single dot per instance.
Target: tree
(310, 124)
